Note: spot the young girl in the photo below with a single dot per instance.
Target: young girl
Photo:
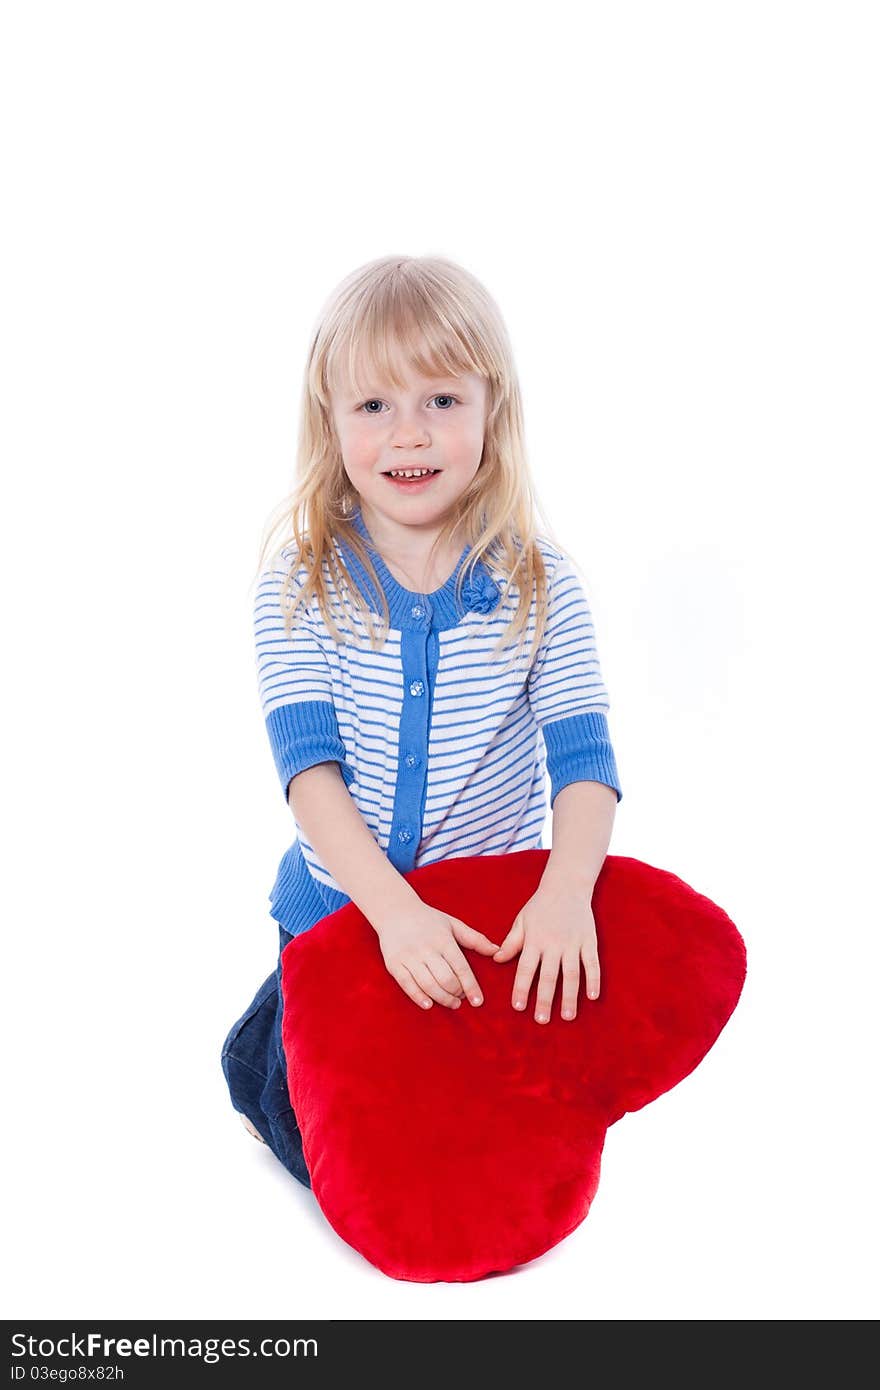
(425, 660)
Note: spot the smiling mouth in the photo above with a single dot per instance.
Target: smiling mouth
(410, 475)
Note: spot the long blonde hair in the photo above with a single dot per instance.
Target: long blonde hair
(438, 317)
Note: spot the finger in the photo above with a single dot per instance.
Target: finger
(475, 940)
(512, 942)
(590, 957)
(571, 982)
(468, 980)
(444, 974)
(409, 987)
(423, 976)
(528, 964)
(546, 987)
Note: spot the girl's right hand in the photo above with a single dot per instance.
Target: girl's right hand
(421, 948)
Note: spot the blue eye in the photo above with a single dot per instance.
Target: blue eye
(442, 396)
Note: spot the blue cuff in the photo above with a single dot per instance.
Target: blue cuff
(304, 734)
(579, 750)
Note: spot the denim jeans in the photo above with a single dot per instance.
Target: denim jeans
(256, 1072)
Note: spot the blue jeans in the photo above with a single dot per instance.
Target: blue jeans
(256, 1072)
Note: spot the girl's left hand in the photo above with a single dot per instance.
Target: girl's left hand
(555, 928)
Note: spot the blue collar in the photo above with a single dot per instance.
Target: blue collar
(407, 609)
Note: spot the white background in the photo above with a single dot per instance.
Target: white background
(675, 207)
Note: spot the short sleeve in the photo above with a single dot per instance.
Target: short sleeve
(566, 691)
(295, 683)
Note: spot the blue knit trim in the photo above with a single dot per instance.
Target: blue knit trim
(419, 674)
(298, 901)
(304, 734)
(579, 750)
(480, 592)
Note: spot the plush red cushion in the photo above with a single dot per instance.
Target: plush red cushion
(447, 1144)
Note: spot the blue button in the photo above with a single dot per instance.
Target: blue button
(404, 836)
(416, 688)
(411, 760)
(417, 610)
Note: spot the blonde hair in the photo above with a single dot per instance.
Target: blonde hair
(440, 319)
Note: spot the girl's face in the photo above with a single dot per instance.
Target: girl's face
(433, 423)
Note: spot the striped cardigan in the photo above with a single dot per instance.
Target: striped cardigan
(444, 748)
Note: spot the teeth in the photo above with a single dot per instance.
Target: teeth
(411, 472)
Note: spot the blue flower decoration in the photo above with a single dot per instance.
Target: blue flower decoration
(481, 594)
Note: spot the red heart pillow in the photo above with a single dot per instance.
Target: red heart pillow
(447, 1144)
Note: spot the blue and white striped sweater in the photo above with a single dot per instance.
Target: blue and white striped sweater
(444, 748)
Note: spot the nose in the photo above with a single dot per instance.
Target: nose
(409, 432)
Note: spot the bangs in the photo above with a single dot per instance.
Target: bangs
(397, 329)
